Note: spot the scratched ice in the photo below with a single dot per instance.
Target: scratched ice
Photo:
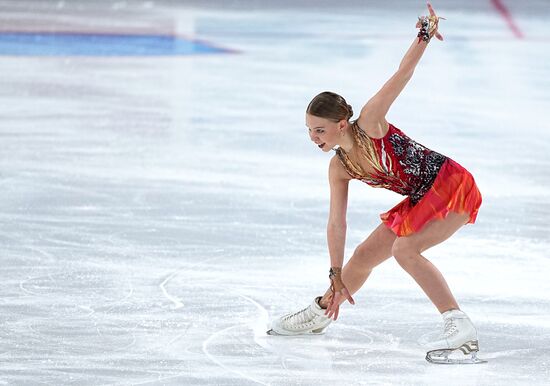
(158, 207)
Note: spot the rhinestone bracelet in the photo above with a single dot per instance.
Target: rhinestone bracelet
(428, 27)
(423, 33)
(333, 272)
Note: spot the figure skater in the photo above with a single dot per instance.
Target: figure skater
(442, 196)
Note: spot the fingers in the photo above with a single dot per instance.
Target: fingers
(432, 13)
(348, 296)
(430, 8)
(333, 309)
(336, 312)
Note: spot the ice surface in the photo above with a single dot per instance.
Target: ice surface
(156, 212)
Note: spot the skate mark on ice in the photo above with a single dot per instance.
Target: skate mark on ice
(74, 284)
(177, 303)
(371, 353)
(361, 331)
(49, 256)
(507, 353)
(164, 346)
(210, 356)
(158, 373)
(89, 309)
(297, 352)
(24, 282)
(260, 325)
(260, 337)
(174, 299)
(88, 336)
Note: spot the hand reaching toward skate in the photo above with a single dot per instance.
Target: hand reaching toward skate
(339, 293)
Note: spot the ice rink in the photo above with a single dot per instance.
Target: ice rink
(162, 201)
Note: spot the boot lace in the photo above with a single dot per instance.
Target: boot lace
(450, 328)
(299, 318)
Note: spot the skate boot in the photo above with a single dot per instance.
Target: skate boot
(309, 321)
(458, 344)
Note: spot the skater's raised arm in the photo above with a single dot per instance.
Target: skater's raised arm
(374, 112)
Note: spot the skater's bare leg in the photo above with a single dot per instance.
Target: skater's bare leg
(371, 252)
(407, 251)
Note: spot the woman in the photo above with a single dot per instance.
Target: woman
(441, 197)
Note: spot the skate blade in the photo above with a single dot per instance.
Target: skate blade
(472, 360)
(463, 355)
(275, 333)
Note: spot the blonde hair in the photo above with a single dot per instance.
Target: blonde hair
(367, 151)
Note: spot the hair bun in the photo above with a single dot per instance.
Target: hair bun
(330, 106)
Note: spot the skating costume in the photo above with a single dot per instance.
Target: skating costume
(433, 183)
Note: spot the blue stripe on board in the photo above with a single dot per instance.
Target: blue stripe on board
(61, 44)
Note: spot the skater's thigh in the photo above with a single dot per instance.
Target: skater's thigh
(435, 232)
(376, 248)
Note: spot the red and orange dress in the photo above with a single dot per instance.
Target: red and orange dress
(433, 183)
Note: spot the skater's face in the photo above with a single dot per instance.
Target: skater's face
(324, 132)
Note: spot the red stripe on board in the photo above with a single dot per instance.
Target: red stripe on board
(501, 8)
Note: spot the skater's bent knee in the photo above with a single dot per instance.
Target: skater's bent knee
(405, 254)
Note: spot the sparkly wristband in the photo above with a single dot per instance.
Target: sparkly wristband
(428, 27)
(424, 24)
(333, 272)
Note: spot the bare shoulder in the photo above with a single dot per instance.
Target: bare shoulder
(337, 172)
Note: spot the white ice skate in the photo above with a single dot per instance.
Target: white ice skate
(458, 344)
(309, 321)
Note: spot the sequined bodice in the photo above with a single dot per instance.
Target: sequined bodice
(399, 163)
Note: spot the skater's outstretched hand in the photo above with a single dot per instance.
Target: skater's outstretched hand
(339, 293)
(435, 25)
